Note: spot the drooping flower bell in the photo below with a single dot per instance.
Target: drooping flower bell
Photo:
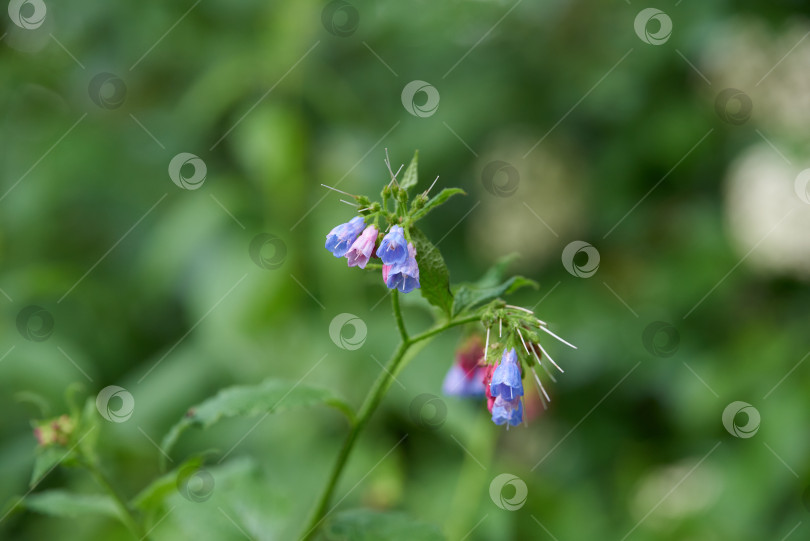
(507, 411)
(361, 249)
(340, 239)
(403, 276)
(466, 375)
(393, 248)
(506, 382)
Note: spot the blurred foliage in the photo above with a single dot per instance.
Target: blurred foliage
(152, 288)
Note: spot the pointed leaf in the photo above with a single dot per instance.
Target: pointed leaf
(271, 396)
(46, 459)
(410, 178)
(437, 200)
(434, 278)
(470, 296)
(61, 503)
(367, 525)
(154, 495)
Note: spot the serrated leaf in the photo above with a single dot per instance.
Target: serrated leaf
(434, 278)
(468, 297)
(438, 199)
(271, 396)
(61, 503)
(411, 176)
(366, 525)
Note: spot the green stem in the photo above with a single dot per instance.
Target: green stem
(373, 398)
(127, 515)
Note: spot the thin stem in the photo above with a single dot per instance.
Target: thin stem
(373, 398)
(403, 333)
(127, 515)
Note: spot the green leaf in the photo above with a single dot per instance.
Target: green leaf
(46, 459)
(366, 525)
(154, 495)
(496, 273)
(410, 178)
(469, 296)
(271, 396)
(434, 278)
(61, 503)
(437, 200)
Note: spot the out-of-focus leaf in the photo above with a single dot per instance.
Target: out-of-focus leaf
(61, 503)
(411, 176)
(434, 278)
(490, 286)
(46, 459)
(366, 525)
(271, 396)
(155, 493)
(438, 200)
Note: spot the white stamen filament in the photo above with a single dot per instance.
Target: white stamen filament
(549, 358)
(336, 190)
(542, 389)
(558, 338)
(347, 202)
(486, 346)
(500, 327)
(431, 186)
(522, 340)
(546, 370)
(541, 322)
(520, 308)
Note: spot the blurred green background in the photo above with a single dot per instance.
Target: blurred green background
(689, 194)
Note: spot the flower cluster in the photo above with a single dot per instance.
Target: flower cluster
(502, 381)
(55, 431)
(358, 244)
